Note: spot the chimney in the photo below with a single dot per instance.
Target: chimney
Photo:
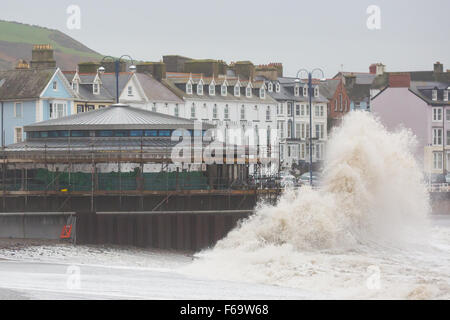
(244, 69)
(380, 68)
(399, 80)
(156, 69)
(207, 67)
(42, 57)
(22, 65)
(438, 67)
(350, 80)
(88, 67)
(373, 68)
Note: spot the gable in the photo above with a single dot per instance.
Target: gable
(62, 90)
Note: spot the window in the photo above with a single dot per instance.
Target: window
(316, 111)
(154, 107)
(434, 95)
(80, 108)
(136, 133)
(76, 86)
(302, 110)
(55, 85)
(262, 93)
(242, 112)
(305, 91)
(226, 112)
(200, 88)
(437, 136)
(289, 128)
(193, 111)
(448, 114)
(445, 95)
(248, 92)
(448, 142)
(130, 91)
(164, 133)
(176, 111)
(335, 105)
(270, 87)
(319, 151)
(277, 87)
(302, 151)
(223, 90)
(297, 110)
(151, 133)
(316, 91)
(437, 114)
(237, 90)
(57, 110)
(215, 111)
(189, 88)
(18, 109)
(280, 127)
(322, 111)
(95, 88)
(437, 160)
(320, 131)
(268, 113)
(212, 89)
(297, 130)
(296, 91)
(289, 109)
(18, 135)
(340, 102)
(78, 134)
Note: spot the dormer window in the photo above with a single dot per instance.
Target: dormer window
(316, 91)
(200, 88)
(262, 92)
(95, 88)
(76, 86)
(434, 95)
(270, 87)
(277, 87)
(130, 91)
(446, 95)
(237, 90)
(223, 89)
(305, 91)
(248, 91)
(189, 87)
(212, 89)
(296, 91)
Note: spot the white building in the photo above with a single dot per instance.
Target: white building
(293, 120)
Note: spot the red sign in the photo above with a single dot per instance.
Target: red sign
(66, 232)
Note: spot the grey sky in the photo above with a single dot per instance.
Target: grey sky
(300, 34)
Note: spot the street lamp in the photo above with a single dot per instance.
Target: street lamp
(117, 62)
(310, 93)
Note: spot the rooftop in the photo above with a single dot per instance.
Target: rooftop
(117, 116)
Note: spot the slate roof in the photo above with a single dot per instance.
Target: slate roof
(117, 116)
(358, 92)
(328, 88)
(178, 86)
(86, 93)
(287, 91)
(24, 84)
(155, 90)
(423, 89)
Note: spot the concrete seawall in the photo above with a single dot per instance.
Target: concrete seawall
(33, 225)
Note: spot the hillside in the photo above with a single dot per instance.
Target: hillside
(17, 39)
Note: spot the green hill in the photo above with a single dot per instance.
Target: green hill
(17, 39)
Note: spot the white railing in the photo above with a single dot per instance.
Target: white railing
(439, 187)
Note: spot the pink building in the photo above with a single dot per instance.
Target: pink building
(419, 101)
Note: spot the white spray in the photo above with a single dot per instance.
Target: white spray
(372, 198)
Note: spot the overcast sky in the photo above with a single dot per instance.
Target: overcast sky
(300, 34)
